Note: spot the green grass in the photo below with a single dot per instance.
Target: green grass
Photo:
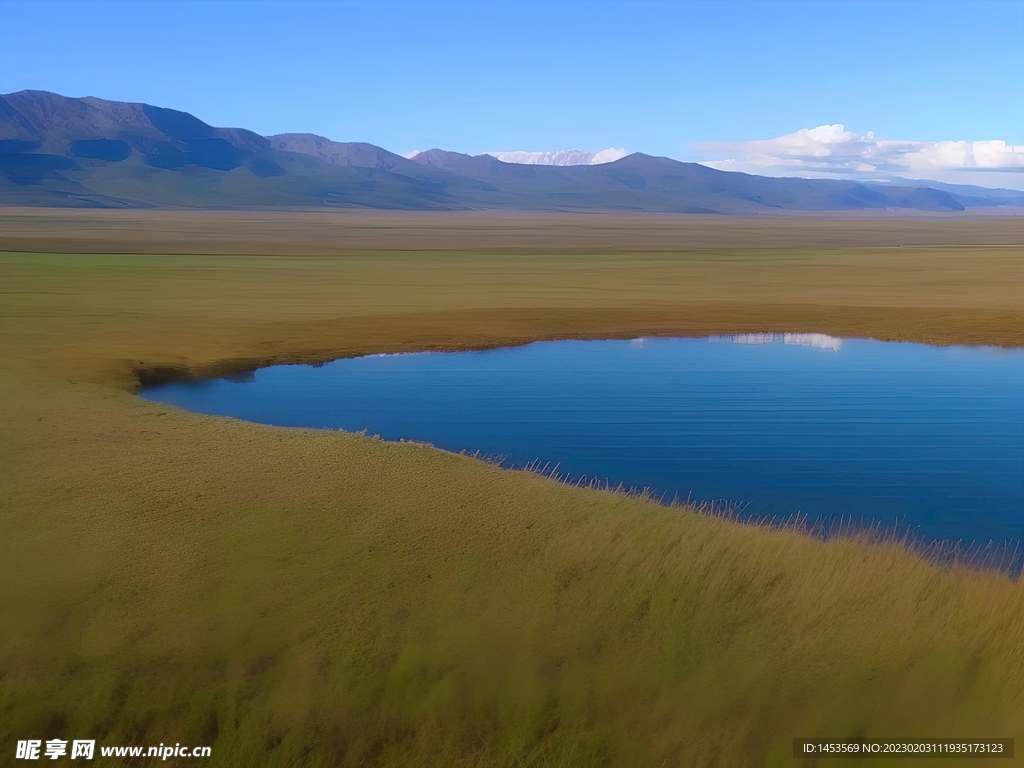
(298, 597)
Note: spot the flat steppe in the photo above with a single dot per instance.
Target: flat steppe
(299, 597)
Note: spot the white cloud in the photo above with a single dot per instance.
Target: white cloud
(410, 155)
(833, 151)
(561, 157)
(609, 155)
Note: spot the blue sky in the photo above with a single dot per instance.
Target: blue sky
(688, 80)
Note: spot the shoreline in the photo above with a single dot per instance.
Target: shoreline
(158, 374)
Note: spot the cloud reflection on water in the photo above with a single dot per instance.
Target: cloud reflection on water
(818, 340)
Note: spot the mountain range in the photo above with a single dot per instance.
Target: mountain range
(88, 152)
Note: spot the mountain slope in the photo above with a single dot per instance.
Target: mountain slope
(353, 154)
(60, 151)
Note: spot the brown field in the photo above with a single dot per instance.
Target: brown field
(298, 597)
(333, 233)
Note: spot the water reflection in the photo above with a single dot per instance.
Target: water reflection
(818, 340)
(243, 377)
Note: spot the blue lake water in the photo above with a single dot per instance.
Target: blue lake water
(929, 437)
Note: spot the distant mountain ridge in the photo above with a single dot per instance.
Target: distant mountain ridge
(61, 151)
(110, 130)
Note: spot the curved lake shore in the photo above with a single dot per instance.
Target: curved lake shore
(920, 441)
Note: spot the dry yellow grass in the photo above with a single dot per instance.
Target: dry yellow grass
(300, 597)
(320, 233)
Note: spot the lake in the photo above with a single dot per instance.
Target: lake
(929, 438)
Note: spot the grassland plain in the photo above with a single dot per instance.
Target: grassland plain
(300, 597)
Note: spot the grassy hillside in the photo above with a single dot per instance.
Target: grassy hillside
(317, 598)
